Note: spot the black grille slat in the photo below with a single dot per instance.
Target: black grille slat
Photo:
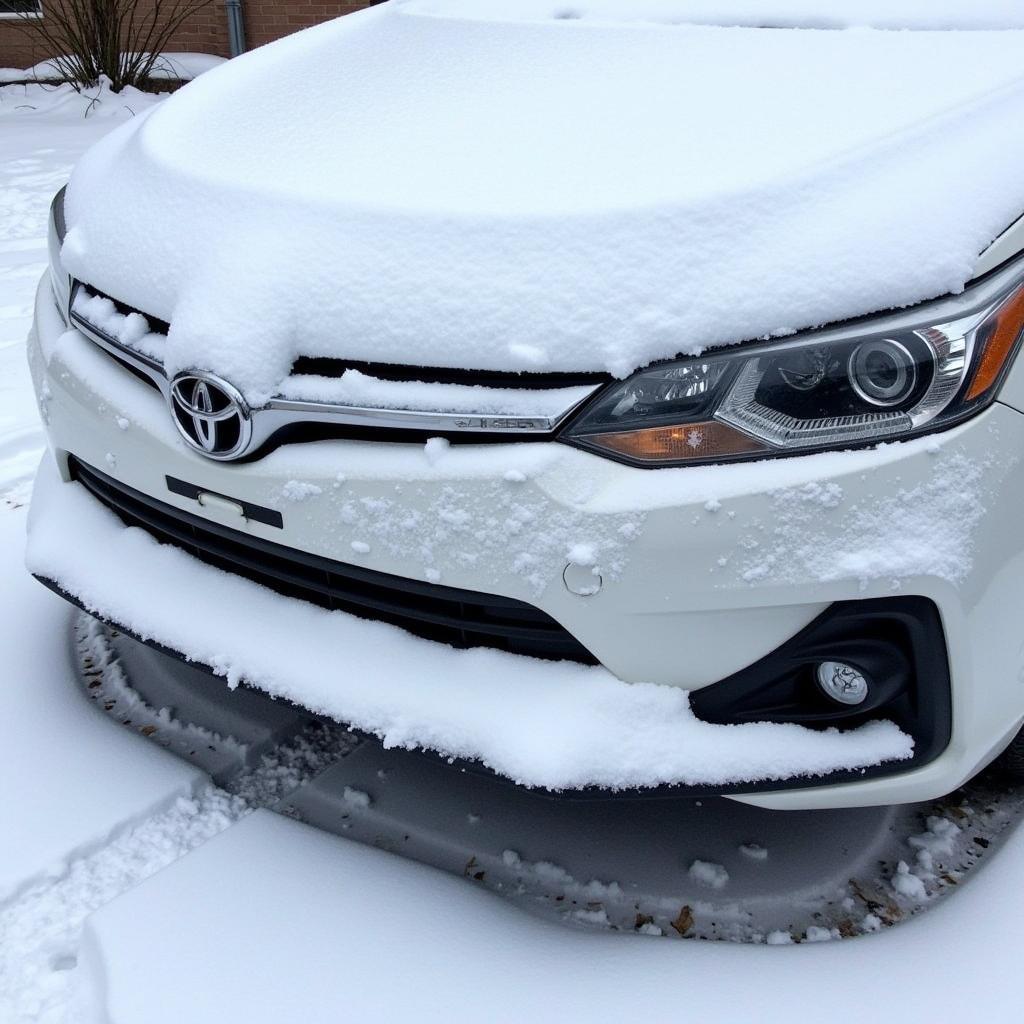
(234, 557)
(237, 558)
(327, 366)
(461, 618)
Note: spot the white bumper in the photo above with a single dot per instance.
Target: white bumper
(704, 570)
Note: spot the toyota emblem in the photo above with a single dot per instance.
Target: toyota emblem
(211, 415)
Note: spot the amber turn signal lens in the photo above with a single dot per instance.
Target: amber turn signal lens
(690, 442)
(1005, 327)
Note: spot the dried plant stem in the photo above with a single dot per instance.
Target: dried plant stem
(120, 39)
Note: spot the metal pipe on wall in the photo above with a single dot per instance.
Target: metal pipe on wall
(236, 27)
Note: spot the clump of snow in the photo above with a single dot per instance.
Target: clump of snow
(356, 798)
(754, 851)
(514, 476)
(938, 840)
(818, 934)
(299, 490)
(908, 884)
(131, 330)
(551, 724)
(583, 201)
(939, 837)
(360, 547)
(714, 876)
(545, 877)
(436, 448)
(582, 554)
(779, 938)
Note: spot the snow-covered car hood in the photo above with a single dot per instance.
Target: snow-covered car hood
(442, 183)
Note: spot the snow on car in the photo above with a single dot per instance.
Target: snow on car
(528, 365)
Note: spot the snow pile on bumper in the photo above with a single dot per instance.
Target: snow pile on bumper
(554, 725)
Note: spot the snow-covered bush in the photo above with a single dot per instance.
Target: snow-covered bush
(120, 40)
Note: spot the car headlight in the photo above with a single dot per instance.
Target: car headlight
(881, 378)
(59, 279)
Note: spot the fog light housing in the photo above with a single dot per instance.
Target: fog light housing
(896, 644)
(842, 682)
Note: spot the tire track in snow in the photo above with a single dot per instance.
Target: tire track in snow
(41, 928)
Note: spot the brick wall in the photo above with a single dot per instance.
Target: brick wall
(205, 32)
(266, 20)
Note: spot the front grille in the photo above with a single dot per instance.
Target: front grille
(460, 618)
(312, 415)
(331, 367)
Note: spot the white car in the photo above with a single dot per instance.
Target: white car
(428, 321)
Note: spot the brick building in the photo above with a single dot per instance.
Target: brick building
(206, 31)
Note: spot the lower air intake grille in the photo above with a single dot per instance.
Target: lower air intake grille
(461, 618)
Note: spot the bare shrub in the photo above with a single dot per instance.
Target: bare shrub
(119, 39)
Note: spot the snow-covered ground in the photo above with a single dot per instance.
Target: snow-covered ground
(43, 131)
(181, 66)
(132, 889)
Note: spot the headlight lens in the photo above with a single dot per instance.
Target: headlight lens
(883, 378)
(55, 239)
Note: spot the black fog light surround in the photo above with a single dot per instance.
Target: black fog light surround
(858, 661)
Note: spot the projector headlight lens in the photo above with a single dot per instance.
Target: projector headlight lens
(882, 373)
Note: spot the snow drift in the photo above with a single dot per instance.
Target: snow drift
(416, 185)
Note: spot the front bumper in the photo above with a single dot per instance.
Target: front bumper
(703, 571)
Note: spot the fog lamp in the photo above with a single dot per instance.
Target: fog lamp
(842, 683)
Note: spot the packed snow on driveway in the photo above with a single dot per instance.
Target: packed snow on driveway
(136, 885)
